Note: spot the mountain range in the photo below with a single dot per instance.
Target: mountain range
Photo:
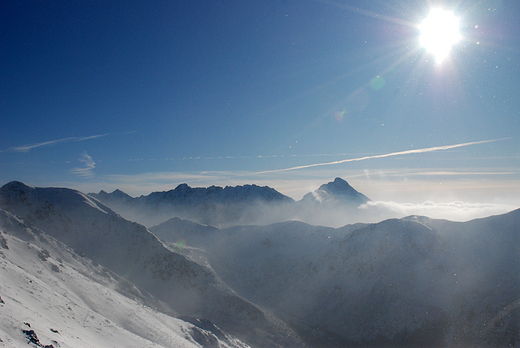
(186, 288)
(75, 273)
(234, 206)
(399, 283)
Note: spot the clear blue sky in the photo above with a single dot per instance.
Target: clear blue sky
(145, 95)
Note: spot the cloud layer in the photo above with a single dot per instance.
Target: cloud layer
(454, 211)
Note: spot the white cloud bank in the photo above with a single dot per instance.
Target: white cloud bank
(454, 211)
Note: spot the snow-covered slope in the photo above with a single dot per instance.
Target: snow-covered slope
(52, 297)
(402, 282)
(130, 250)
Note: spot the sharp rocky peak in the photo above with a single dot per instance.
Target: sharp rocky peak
(337, 186)
(337, 189)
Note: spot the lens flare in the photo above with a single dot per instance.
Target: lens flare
(377, 83)
(180, 244)
(340, 115)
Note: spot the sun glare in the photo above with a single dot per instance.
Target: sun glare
(439, 32)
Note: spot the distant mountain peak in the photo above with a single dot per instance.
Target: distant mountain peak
(185, 194)
(338, 186)
(120, 194)
(338, 189)
(116, 195)
(183, 187)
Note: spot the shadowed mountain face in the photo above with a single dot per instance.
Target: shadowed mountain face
(186, 195)
(412, 282)
(235, 206)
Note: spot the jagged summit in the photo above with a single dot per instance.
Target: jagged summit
(341, 187)
(337, 190)
(185, 194)
(213, 205)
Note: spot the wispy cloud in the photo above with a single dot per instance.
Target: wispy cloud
(27, 148)
(88, 166)
(400, 153)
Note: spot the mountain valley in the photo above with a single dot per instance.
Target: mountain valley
(80, 275)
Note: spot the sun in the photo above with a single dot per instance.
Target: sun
(439, 32)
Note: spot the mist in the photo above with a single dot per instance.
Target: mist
(332, 213)
(401, 282)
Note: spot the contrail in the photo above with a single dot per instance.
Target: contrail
(407, 152)
(367, 13)
(26, 148)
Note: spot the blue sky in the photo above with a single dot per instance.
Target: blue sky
(145, 95)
